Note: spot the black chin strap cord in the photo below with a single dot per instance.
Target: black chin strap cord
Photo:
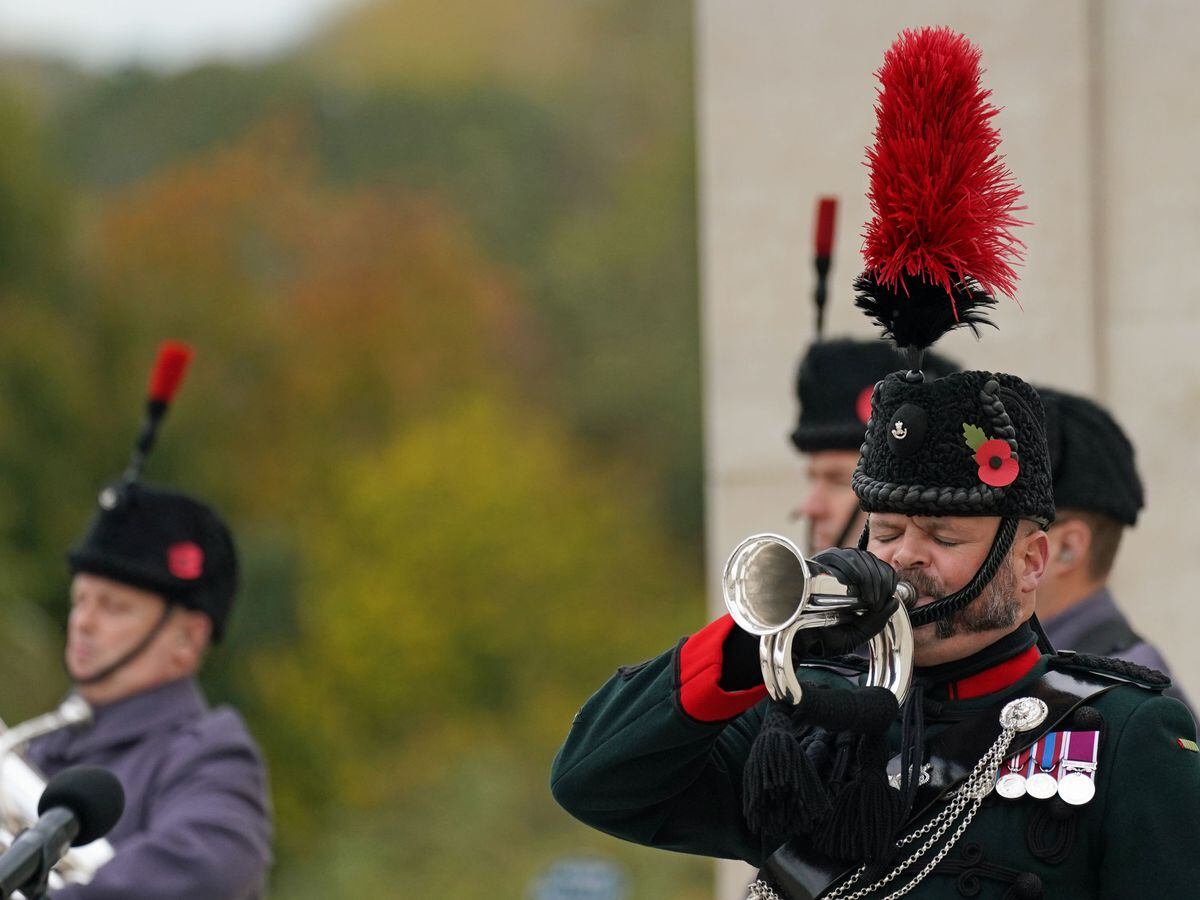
(138, 649)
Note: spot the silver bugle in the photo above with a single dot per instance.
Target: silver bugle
(771, 590)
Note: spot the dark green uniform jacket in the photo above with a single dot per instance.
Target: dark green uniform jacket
(638, 766)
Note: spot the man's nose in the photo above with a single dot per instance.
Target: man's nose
(912, 553)
(815, 504)
(82, 617)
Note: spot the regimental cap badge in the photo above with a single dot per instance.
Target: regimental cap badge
(906, 432)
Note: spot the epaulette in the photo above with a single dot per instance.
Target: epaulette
(1120, 669)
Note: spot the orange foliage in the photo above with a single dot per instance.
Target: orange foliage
(314, 310)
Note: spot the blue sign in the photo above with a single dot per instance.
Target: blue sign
(580, 878)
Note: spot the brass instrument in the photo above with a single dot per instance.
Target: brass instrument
(772, 591)
(21, 786)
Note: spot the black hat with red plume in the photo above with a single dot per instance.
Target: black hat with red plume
(157, 539)
(835, 377)
(938, 247)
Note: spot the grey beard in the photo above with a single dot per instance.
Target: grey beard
(996, 607)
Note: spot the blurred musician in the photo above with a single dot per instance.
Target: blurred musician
(153, 581)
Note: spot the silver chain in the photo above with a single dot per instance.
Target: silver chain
(760, 890)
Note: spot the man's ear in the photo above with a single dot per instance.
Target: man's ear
(1072, 544)
(195, 632)
(1033, 556)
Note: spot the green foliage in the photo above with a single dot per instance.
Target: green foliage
(119, 130)
(460, 589)
(31, 227)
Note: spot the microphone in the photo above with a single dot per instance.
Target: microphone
(78, 806)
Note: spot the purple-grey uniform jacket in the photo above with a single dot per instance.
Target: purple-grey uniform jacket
(1071, 630)
(197, 823)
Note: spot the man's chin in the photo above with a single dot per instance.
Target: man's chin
(926, 636)
(81, 672)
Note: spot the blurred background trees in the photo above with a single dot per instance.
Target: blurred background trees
(439, 268)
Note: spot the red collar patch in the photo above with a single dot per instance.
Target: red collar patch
(997, 678)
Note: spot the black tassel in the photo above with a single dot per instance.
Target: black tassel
(812, 803)
(866, 811)
(811, 771)
(784, 794)
(845, 749)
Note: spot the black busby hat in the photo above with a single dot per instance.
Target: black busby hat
(937, 249)
(834, 385)
(166, 542)
(969, 444)
(1091, 458)
(156, 539)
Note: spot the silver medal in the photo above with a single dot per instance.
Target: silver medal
(1041, 785)
(1011, 786)
(1076, 788)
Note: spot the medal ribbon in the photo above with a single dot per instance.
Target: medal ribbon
(1051, 750)
(1018, 763)
(1083, 747)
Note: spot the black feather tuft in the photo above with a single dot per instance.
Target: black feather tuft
(920, 313)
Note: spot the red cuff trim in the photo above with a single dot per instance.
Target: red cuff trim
(700, 660)
(996, 678)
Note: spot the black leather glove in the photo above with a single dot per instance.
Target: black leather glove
(874, 583)
(740, 667)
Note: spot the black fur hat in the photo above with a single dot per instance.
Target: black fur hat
(157, 539)
(165, 542)
(1091, 458)
(834, 384)
(968, 444)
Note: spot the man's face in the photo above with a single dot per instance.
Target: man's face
(108, 619)
(939, 555)
(830, 502)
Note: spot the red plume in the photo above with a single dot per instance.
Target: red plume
(826, 216)
(942, 199)
(169, 369)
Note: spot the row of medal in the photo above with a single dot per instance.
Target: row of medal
(1062, 763)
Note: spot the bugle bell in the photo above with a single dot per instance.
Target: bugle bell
(772, 591)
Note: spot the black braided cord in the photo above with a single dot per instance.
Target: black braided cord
(1122, 668)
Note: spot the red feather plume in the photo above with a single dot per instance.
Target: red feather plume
(169, 369)
(942, 199)
(826, 219)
